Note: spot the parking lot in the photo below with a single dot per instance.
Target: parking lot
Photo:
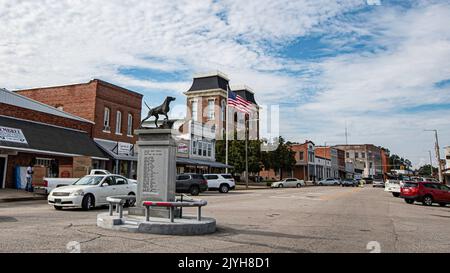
(308, 219)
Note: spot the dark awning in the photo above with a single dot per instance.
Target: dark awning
(48, 139)
(198, 162)
(111, 149)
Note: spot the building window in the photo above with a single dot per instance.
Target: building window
(194, 110)
(200, 146)
(210, 109)
(347, 154)
(301, 155)
(363, 155)
(118, 122)
(209, 149)
(106, 119)
(194, 147)
(356, 155)
(204, 148)
(130, 125)
(223, 110)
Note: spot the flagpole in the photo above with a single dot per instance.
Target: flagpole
(226, 131)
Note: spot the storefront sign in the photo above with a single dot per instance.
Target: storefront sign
(124, 148)
(12, 135)
(183, 148)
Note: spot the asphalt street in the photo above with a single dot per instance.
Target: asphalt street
(311, 219)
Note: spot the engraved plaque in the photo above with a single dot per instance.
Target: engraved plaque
(154, 178)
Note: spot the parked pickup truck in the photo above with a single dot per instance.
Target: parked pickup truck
(52, 183)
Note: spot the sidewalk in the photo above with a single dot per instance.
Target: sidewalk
(14, 195)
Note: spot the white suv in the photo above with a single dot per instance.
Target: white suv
(221, 182)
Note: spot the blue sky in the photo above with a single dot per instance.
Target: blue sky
(383, 69)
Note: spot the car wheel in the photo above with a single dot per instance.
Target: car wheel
(194, 190)
(280, 186)
(88, 202)
(58, 207)
(299, 185)
(396, 194)
(130, 203)
(224, 188)
(442, 204)
(427, 200)
(409, 201)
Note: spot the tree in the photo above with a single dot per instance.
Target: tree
(426, 170)
(236, 155)
(282, 159)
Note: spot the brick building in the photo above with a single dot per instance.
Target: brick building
(114, 111)
(367, 155)
(32, 132)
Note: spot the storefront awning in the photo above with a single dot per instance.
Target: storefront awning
(33, 137)
(198, 162)
(111, 149)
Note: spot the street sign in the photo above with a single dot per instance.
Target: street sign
(12, 135)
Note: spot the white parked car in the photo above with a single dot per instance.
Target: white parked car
(329, 182)
(393, 186)
(288, 183)
(91, 191)
(221, 182)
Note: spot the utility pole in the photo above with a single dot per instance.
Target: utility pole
(346, 134)
(438, 154)
(431, 165)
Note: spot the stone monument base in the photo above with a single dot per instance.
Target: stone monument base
(188, 225)
(154, 212)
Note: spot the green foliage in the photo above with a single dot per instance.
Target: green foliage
(426, 170)
(236, 154)
(283, 158)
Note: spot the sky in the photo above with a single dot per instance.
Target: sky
(380, 67)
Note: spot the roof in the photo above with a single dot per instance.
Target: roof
(50, 139)
(245, 92)
(12, 98)
(211, 81)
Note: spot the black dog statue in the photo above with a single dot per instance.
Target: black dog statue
(163, 109)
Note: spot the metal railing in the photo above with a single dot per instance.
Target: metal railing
(171, 205)
(119, 201)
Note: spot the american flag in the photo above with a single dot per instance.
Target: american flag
(238, 102)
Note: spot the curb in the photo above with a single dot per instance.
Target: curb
(22, 199)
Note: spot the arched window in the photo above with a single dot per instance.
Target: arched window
(130, 125)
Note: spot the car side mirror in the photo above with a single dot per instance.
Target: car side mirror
(104, 184)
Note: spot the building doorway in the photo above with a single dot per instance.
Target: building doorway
(3, 161)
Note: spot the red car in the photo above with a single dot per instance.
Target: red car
(425, 192)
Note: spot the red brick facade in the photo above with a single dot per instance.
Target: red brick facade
(88, 100)
(27, 114)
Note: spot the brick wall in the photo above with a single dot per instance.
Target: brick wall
(27, 114)
(88, 100)
(76, 99)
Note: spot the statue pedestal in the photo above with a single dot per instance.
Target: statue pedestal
(156, 170)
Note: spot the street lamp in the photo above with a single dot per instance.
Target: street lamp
(438, 155)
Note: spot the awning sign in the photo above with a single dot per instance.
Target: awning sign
(12, 135)
(124, 148)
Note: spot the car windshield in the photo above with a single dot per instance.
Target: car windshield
(89, 180)
(410, 185)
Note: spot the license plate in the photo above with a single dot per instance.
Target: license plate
(58, 201)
